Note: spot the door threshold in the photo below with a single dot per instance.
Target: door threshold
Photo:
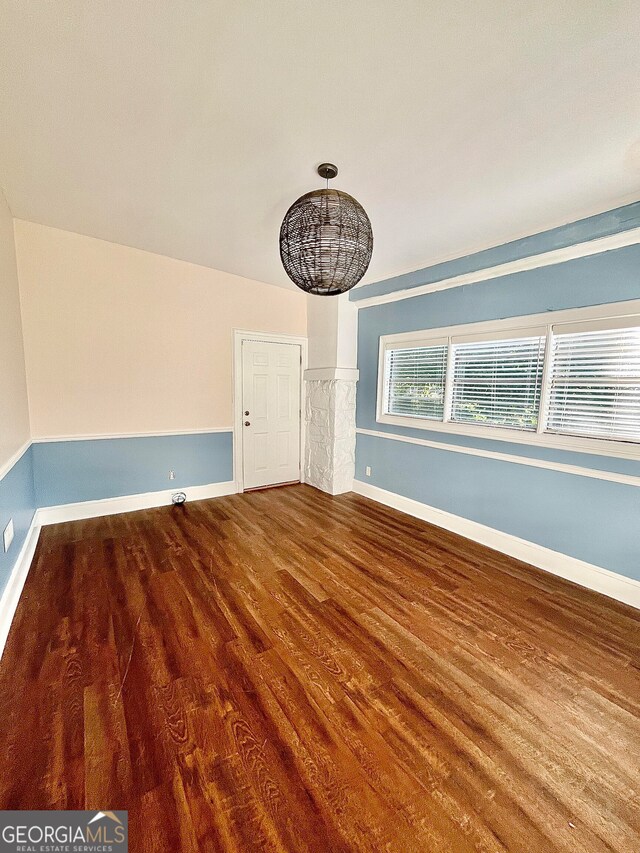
(271, 486)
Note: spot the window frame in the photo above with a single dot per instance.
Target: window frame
(519, 326)
(433, 342)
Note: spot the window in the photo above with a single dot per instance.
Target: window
(595, 382)
(498, 382)
(566, 379)
(415, 381)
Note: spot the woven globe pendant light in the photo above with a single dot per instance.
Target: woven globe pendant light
(326, 240)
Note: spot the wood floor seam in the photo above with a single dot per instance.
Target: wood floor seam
(294, 671)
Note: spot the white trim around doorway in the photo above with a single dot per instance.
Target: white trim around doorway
(240, 335)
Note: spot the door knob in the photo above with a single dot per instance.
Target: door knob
(246, 413)
(246, 423)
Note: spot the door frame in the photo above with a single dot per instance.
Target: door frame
(240, 335)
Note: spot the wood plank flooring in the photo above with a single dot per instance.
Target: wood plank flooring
(289, 671)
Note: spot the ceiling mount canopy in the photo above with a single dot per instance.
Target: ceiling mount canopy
(327, 171)
(326, 239)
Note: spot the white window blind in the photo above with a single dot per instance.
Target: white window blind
(595, 383)
(415, 381)
(498, 382)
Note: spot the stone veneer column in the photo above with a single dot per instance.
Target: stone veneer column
(331, 429)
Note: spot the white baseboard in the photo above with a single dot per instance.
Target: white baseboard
(75, 512)
(593, 577)
(129, 503)
(13, 589)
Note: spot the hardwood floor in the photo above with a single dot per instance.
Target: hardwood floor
(285, 670)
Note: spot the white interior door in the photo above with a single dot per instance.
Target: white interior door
(270, 413)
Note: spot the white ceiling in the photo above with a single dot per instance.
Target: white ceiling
(187, 128)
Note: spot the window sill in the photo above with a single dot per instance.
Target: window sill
(578, 444)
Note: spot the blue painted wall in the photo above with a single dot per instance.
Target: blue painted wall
(601, 225)
(72, 471)
(594, 520)
(600, 279)
(62, 472)
(17, 501)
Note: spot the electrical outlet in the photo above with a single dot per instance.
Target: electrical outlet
(367, 470)
(172, 475)
(8, 535)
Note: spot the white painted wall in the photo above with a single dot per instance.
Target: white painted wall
(331, 393)
(14, 412)
(332, 323)
(347, 333)
(119, 340)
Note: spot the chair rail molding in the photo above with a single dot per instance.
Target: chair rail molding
(14, 459)
(532, 461)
